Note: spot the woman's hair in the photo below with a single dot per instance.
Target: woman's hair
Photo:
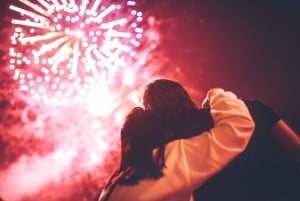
(140, 134)
(167, 96)
(167, 103)
(168, 100)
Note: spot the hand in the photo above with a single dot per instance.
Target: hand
(205, 102)
(211, 92)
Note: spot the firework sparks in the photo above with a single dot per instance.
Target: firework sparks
(80, 58)
(59, 48)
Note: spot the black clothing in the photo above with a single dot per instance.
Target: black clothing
(260, 173)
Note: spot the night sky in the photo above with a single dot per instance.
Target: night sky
(250, 47)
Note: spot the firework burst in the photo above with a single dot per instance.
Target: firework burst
(80, 63)
(59, 48)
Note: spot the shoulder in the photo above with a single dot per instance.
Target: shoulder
(262, 112)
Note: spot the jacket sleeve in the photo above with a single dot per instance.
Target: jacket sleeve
(196, 159)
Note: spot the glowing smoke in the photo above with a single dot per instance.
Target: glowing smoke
(79, 68)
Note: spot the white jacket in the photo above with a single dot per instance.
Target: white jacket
(191, 162)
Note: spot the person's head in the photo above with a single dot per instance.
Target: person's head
(167, 97)
(140, 134)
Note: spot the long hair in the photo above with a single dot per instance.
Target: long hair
(140, 134)
(168, 97)
(169, 101)
(167, 104)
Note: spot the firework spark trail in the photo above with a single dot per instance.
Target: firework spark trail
(76, 41)
(97, 63)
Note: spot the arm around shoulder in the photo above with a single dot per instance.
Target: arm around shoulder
(234, 125)
(206, 154)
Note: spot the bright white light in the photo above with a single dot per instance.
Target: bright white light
(76, 36)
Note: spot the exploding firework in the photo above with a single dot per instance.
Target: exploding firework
(76, 65)
(60, 48)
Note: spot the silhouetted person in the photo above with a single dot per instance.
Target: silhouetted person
(267, 170)
(155, 166)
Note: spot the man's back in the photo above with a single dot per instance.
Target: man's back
(261, 173)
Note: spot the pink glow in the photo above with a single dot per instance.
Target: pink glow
(62, 125)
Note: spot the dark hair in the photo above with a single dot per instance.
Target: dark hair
(167, 96)
(140, 134)
(169, 101)
(144, 130)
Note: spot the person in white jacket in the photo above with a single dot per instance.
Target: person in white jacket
(178, 166)
(268, 169)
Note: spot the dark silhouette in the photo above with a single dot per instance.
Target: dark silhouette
(156, 165)
(267, 170)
